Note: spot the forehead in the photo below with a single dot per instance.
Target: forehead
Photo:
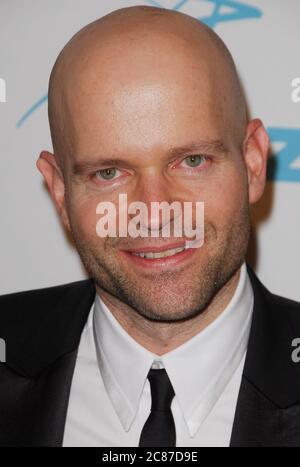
(130, 96)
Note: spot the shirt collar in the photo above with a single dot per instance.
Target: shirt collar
(199, 369)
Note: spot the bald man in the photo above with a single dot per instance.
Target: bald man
(164, 344)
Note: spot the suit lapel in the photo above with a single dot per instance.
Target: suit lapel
(33, 410)
(41, 355)
(268, 410)
(257, 420)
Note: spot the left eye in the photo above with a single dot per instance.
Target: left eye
(195, 160)
(106, 174)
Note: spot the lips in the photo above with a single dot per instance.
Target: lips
(159, 254)
(136, 257)
(157, 249)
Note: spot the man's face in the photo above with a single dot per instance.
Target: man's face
(138, 114)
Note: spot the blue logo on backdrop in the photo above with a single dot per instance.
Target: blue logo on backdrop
(223, 10)
(283, 165)
(32, 109)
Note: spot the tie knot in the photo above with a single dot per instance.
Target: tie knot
(162, 391)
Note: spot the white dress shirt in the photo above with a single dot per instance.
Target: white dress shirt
(110, 396)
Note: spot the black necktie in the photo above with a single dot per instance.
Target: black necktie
(159, 429)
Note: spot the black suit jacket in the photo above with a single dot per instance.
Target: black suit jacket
(42, 330)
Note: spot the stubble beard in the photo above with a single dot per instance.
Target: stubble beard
(156, 299)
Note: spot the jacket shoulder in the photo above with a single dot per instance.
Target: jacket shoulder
(18, 306)
(29, 319)
(287, 308)
(36, 295)
(269, 365)
(284, 307)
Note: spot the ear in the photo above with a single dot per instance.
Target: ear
(256, 151)
(53, 176)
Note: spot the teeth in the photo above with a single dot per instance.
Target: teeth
(161, 254)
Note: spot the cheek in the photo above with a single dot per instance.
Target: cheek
(227, 199)
(84, 218)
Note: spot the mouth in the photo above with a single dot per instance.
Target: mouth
(162, 257)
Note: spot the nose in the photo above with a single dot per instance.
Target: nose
(152, 190)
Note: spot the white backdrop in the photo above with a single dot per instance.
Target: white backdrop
(264, 38)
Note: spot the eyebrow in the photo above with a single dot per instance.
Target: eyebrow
(206, 146)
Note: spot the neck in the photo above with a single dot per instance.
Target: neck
(160, 337)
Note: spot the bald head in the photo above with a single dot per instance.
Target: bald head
(118, 53)
(146, 102)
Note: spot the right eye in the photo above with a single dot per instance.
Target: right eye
(106, 174)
